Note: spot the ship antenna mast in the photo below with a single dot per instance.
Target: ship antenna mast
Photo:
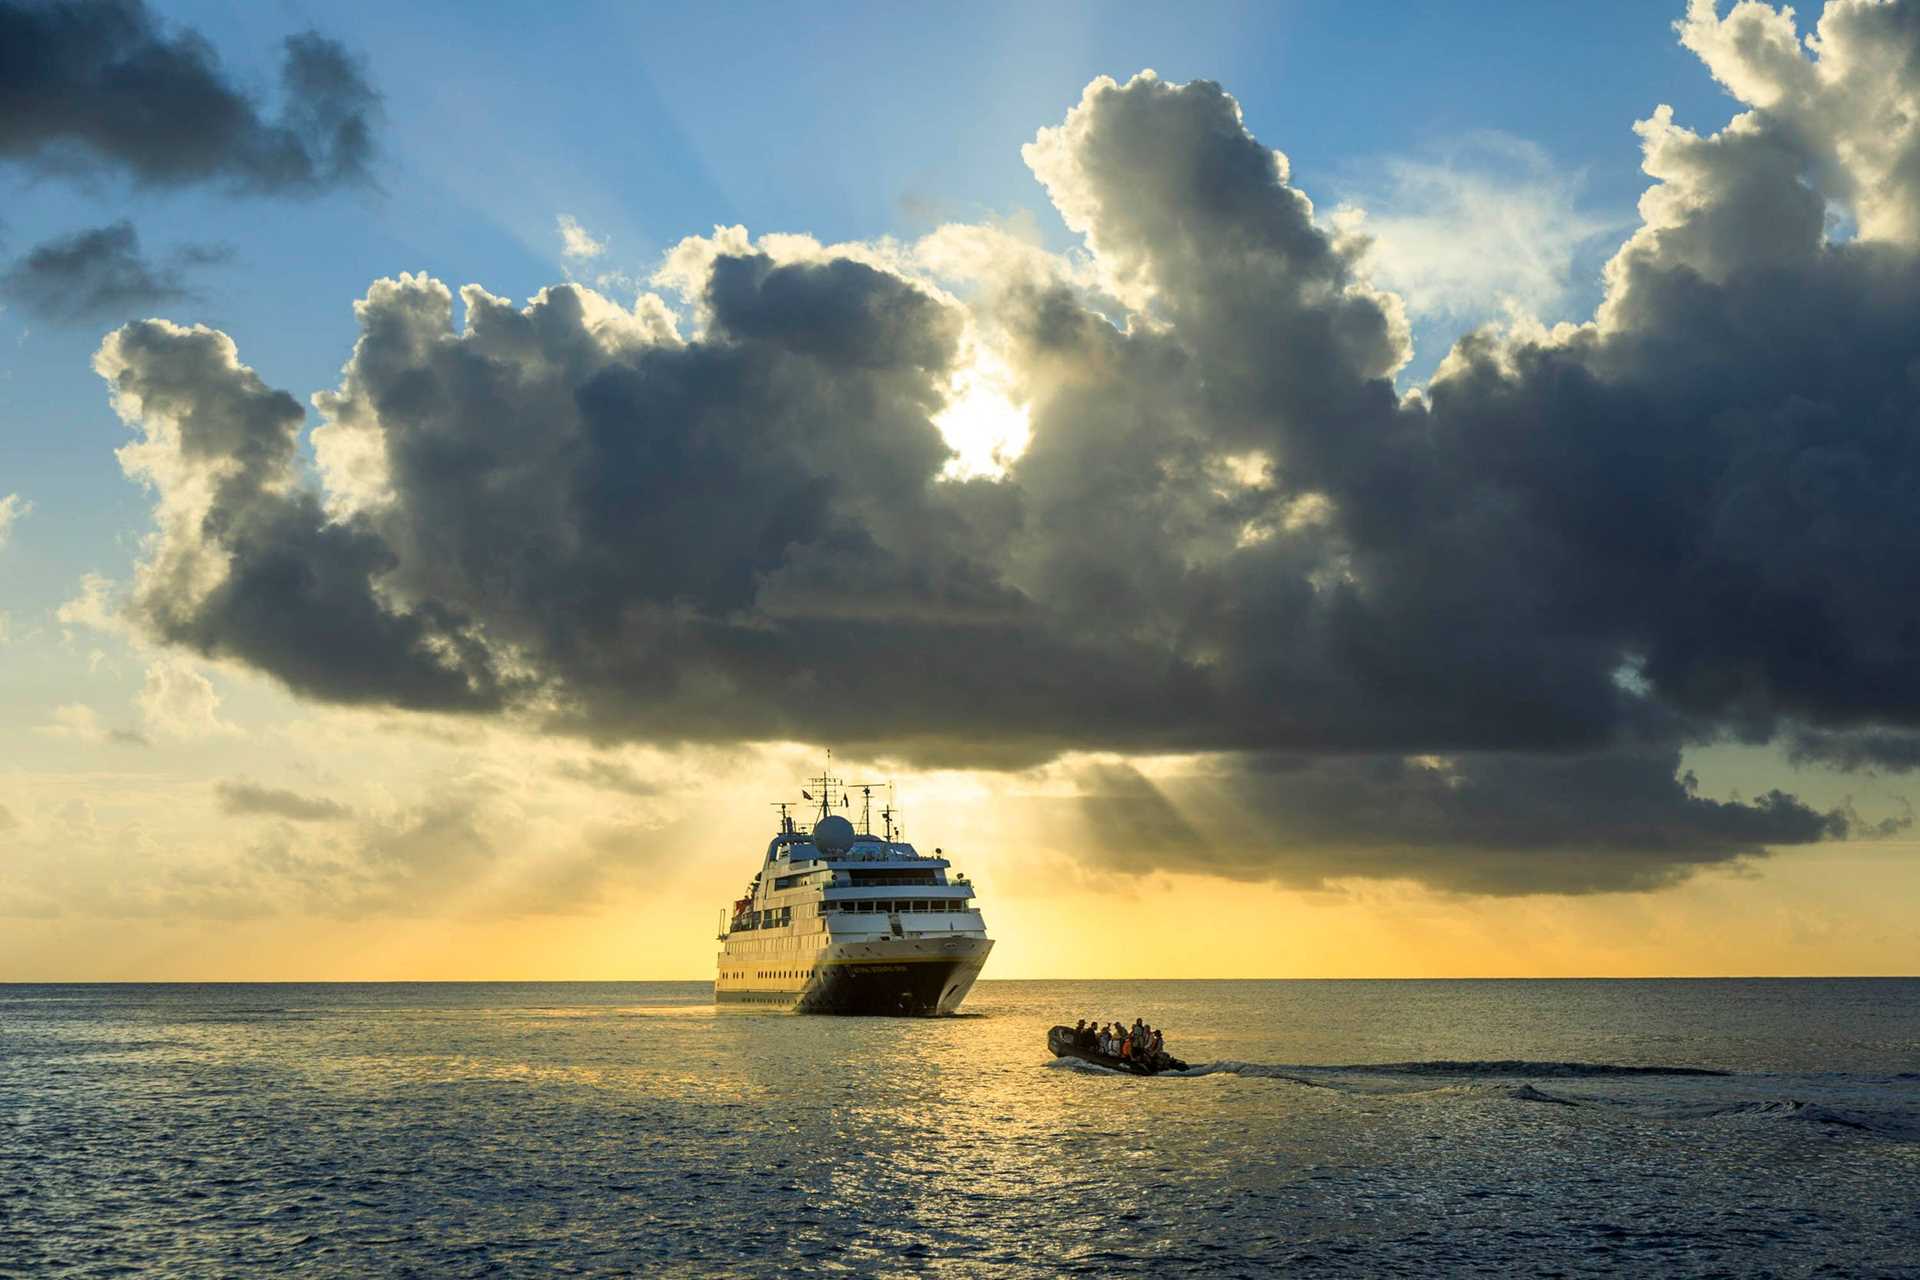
(866, 803)
(826, 782)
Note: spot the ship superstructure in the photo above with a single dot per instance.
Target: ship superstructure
(840, 920)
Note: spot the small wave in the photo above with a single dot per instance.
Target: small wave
(244, 1019)
(1513, 1067)
(1324, 1077)
(1901, 1125)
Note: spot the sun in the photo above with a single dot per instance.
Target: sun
(984, 425)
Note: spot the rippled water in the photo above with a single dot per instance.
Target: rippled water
(1363, 1128)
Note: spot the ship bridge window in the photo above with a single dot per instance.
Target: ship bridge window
(888, 878)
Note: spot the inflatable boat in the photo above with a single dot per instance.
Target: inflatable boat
(1061, 1041)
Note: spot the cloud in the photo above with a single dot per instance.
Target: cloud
(248, 565)
(177, 702)
(402, 820)
(94, 607)
(1580, 551)
(1855, 750)
(100, 272)
(13, 508)
(1837, 103)
(575, 244)
(108, 86)
(251, 799)
(78, 722)
(607, 775)
(472, 847)
(1486, 224)
(1482, 823)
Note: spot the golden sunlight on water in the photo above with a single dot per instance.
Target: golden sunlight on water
(1343, 1127)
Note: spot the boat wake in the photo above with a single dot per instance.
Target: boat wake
(1084, 1067)
(1327, 1077)
(1517, 1067)
(1900, 1125)
(1885, 1107)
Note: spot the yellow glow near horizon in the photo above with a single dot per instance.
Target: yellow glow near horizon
(1053, 903)
(566, 861)
(1832, 913)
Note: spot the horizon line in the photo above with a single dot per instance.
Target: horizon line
(370, 982)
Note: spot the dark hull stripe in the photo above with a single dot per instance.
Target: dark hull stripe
(908, 988)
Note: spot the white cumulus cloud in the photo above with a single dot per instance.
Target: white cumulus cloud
(12, 507)
(575, 241)
(179, 702)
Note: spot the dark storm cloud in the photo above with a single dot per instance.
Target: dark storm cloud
(104, 84)
(100, 272)
(845, 313)
(296, 594)
(1579, 551)
(248, 798)
(1495, 823)
(1856, 750)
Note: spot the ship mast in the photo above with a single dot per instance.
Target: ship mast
(824, 788)
(825, 785)
(866, 804)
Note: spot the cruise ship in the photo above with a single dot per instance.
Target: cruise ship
(840, 920)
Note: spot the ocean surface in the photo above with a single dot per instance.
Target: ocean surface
(1438, 1128)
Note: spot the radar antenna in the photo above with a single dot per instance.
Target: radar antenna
(866, 803)
(830, 793)
(825, 784)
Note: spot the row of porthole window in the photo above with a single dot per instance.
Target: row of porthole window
(863, 905)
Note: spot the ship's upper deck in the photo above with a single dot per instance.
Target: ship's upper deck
(796, 847)
(832, 869)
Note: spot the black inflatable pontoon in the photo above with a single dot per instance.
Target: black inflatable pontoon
(1061, 1041)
